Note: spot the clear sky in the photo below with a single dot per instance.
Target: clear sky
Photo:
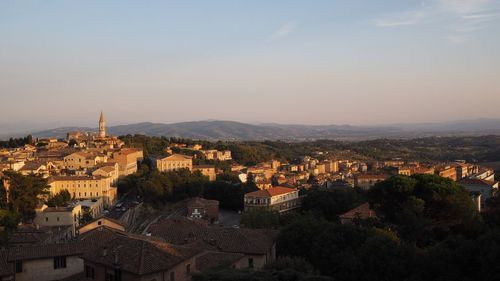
(310, 62)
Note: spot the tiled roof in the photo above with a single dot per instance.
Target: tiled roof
(363, 211)
(32, 165)
(181, 231)
(139, 255)
(28, 234)
(74, 178)
(44, 251)
(274, 191)
(366, 176)
(468, 181)
(210, 260)
(176, 157)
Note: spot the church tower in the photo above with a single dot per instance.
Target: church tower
(102, 127)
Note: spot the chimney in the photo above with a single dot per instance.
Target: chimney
(104, 251)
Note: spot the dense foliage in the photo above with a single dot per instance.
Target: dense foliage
(25, 193)
(427, 229)
(16, 142)
(329, 204)
(61, 199)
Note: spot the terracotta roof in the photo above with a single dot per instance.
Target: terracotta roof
(29, 234)
(74, 178)
(139, 255)
(32, 165)
(274, 191)
(362, 211)
(210, 260)
(44, 251)
(366, 176)
(129, 150)
(175, 157)
(182, 231)
(473, 181)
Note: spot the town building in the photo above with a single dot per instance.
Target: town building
(200, 208)
(174, 162)
(280, 199)
(206, 170)
(257, 247)
(362, 211)
(64, 217)
(127, 159)
(486, 188)
(366, 181)
(84, 187)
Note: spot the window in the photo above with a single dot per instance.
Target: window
(250, 262)
(89, 272)
(59, 262)
(57, 218)
(172, 276)
(188, 269)
(46, 218)
(19, 266)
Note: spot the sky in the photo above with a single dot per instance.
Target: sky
(358, 62)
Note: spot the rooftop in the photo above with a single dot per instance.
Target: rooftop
(273, 191)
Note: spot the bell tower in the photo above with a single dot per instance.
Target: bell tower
(102, 126)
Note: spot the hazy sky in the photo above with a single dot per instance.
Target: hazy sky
(312, 62)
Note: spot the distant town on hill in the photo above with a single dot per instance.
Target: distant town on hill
(237, 131)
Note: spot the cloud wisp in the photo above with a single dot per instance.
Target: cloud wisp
(284, 30)
(457, 16)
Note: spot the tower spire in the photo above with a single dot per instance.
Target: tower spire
(102, 126)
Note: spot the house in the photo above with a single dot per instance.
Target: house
(281, 199)
(366, 181)
(108, 170)
(35, 168)
(46, 262)
(132, 257)
(200, 208)
(257, 246)
(486, 188)
(66, 217)
(101, 222)
(84, 187)
(83, 160)
(447, 172)
(174, 162)
(263, 184)
(206, 170)
(363, 211)
(127, 159)
(30, 234)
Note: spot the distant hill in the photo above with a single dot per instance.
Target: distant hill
(229, 130)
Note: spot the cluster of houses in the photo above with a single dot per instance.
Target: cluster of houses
(103, 249)
(58, 245)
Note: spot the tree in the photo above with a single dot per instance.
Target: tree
(425, 208)
(260, 218)
(331, 203)
(61, 199)
(25, 193)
